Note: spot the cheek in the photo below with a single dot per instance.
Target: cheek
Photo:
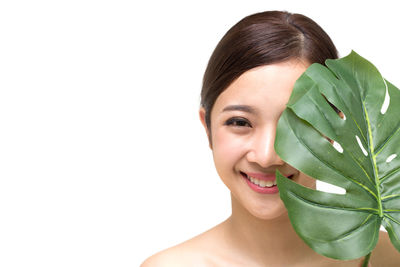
(228, 149)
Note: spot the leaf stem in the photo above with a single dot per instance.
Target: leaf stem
(366, 260)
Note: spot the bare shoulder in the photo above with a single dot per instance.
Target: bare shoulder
(196, 252)
(385, 253)
(178, 256)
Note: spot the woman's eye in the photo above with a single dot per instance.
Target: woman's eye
(239, 122)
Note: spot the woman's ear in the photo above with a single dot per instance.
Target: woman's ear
(202, 115)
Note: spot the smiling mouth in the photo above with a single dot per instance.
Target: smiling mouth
(263, 183)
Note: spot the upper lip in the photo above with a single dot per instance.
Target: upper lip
(263, 176)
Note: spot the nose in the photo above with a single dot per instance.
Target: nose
(261, 150)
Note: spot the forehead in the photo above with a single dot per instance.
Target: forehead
(269, 85)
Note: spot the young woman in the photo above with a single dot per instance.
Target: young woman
(246, 86)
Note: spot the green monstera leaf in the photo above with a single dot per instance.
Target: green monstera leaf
(362, 156)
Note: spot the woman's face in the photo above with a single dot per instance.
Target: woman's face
(243, 125)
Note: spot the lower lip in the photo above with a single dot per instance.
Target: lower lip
(262, 190)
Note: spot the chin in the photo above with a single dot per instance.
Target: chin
(269, 212)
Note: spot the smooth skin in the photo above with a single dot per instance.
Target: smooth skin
(242, 136)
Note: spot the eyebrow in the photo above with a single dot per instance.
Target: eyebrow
(243, 108)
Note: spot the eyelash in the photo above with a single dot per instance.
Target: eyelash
(238, 122)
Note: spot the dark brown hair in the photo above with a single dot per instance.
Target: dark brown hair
(262, 39)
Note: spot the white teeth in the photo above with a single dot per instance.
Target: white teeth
(262, 183)
(269, 183)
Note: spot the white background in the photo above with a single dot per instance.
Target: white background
(103, 160)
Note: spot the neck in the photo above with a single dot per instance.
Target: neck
(272, 242)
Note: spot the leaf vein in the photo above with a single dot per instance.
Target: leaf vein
(389, 174)
(385, 198)
(391, 218)
(382, 146)
(373, 159)
(391, 228)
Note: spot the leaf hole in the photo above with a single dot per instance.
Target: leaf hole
(330, 188)
(337, 146)
(391, 157)
(386, 102)
(361, 146)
